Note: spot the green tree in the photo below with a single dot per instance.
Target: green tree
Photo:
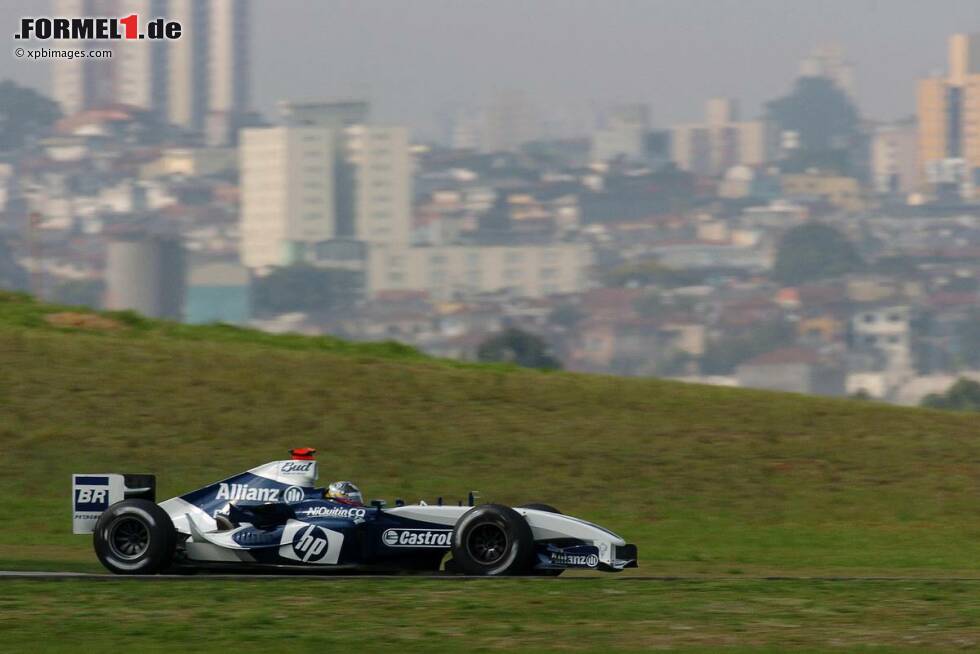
(24, 113)
(964, 395)
(82, 292)
(566, 315)
(517, 346)
(814, 251)
(723, 355)
(968, 335)
(305, 288)
(12, 276)
(649, 272)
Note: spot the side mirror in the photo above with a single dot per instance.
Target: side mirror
(379, 504)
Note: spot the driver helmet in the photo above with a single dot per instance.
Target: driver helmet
(345, 492)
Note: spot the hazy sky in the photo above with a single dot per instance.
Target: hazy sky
(414, 58)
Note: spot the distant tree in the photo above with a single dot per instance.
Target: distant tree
(86, 293)
(649, 272)
(723, 355)
(964, 395)
(968, 335)
(566, 315)
(822, 114)
(517, 346)
(814, 251)
(305, 288)
(24, 113)
(12, 276)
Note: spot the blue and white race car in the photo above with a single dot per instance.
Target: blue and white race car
(273, 517)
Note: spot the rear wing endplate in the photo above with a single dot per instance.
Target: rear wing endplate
(91, 494)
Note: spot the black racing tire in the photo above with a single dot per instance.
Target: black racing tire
(492, 540)
(135, 537)
(539, 506)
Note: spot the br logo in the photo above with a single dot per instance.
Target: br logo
(310, 544)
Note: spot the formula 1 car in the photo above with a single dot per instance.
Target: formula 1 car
(273, 518)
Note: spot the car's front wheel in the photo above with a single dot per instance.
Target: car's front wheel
(492, 540)
(135, 537)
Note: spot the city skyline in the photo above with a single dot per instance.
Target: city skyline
(750, 51)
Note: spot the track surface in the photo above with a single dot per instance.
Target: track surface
(88, 576)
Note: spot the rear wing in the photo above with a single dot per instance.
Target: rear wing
(92, 494)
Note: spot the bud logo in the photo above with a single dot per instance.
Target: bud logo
(578, 560)
(333, 512)
(296, 467)
(96, 29)
(417, 537)
(310, 544)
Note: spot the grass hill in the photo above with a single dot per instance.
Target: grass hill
(703, 479)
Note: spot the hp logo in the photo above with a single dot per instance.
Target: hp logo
(310, 544)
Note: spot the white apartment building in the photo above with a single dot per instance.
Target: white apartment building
(894, 157)
(287, 193)
(711, 148)
(444, 271)
(624, 134)
(381, 159)
(887, 330)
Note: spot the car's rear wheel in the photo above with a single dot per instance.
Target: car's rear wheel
(135, 537)
(492, 540)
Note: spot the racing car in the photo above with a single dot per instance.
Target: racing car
(274, 518)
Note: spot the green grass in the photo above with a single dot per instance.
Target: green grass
(565, 615)
(705, 480)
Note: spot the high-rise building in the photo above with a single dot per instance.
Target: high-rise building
(894, 157)
(336, 116)
(624, 134)
(139, 67)
(76, 84)
(508, 123)
(382, 164)
(711, 148)
(828, 61)
(287, 193)
(949, 112)
(188, 70)
(228, 73)
(199, 81)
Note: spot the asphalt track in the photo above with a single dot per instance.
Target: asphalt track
(204, 576)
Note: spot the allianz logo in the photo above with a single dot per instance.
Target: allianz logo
(417, 537)
(584, 560)
(244, 492)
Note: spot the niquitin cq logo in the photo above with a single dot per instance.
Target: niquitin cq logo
(96, 29)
